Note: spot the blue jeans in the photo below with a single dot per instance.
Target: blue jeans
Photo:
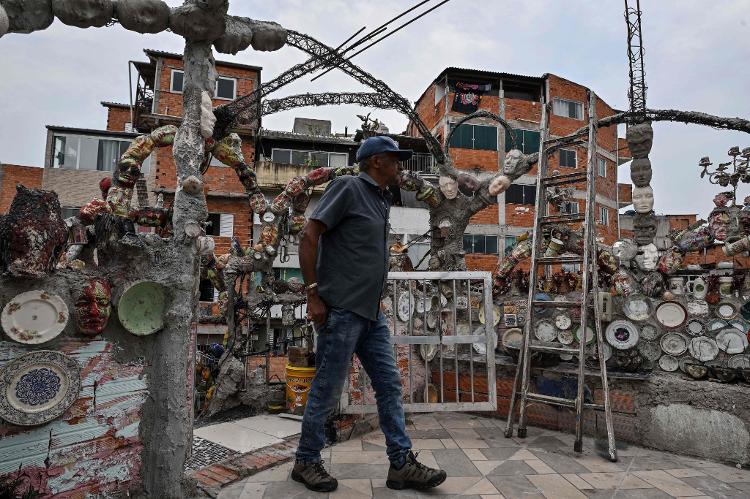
(343, 334)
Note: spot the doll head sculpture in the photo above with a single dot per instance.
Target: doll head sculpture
(648, 257)
(448, 186)
(640, 172)
(640, 138)
(643, 199)
(467, 184)
(516, 164)
(624, 250)
(644, 226)
(499, 184)
(94, 307)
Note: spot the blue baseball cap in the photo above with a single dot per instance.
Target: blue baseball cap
(380, 144)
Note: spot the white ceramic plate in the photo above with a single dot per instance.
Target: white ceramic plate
(697, 307)
(34, 317)
(563, 321)
(703, 348)
(649, 332)
(622, 334)
(650, 350)
(671, 314)
(673, 344)
(739, 362)
(731, 341)
(695, 327)
(740, 324)
(428, 351)
(405, 306)
(589, 334)
(726, 310)
(480, 348)
(545, 331)
(717, 324)
(637, 307)
(669, 363)
(496, 312)
(565, 336)
(512, 339)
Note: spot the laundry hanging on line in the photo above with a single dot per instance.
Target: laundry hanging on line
(467, 96)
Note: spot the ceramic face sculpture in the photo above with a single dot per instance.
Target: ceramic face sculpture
(94, 307)
(448, 186)
(624, 250)
(649, 257)
(83, 13)
(516, 164)
(640, 138)
(643, 199)
(467, 184)
(498, 185)
(644, 226)
(722, 198)
(640, 172)
(718, 223)
(143, 16)
(670, 261)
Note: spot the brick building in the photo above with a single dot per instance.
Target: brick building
(480, 146)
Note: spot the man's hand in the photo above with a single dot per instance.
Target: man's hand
(316, 309)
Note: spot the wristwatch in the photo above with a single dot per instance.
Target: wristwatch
(311, 286)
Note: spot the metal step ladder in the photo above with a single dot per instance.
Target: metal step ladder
(588, 260)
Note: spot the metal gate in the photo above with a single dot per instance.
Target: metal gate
(442, 329)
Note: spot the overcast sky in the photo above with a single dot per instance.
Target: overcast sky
(696, 59)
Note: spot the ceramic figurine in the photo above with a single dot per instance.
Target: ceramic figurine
(640, 172)
(644, 226)
(516, 164)
(94, 307)
(258, 203)
(718, 223)
(90, 210)
(640, 139)
(700, 288)
(643, 199)
(624, 250)
(677, 286)
(725, 286)
(448, 186)
(695, 240)
(467, 184)
(498, 185)
(607, 262)
(648, 257)
(554, 247)
(623, 282)
(33, 234)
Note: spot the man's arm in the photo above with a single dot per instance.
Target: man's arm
(308, 258)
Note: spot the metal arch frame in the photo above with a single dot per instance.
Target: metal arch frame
(367, 99)
(637, 72)
(482, 114)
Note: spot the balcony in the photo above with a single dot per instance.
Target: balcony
(272, 174)
(420, 163)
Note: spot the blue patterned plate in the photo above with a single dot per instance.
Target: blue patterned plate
(38, 387)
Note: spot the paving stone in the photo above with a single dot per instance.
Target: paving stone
(485, 467)
(288, 490)
(426, 443)
(547, 443)
(521, 455)
(463, 433)
(499, 453)
(474, 454)
(539, 466)
(276, 474)
(369, 446)
(628, 494)
(363, 457)
(685, 472)
(512, 468)
(517, 486)
(666, 482)
(555, 486)
(483, 487)
(352, 488)
(455, 485)
(618, 480)
(654, 462)
(428, 459)
(596, 464)
(455, 462)
(728, 474)
(577, 481)
(448, 443)
(359, 470)
(561, 463)
(352, 445)
(436, 433)
(495, 437)
(716, 488)
(386, 493)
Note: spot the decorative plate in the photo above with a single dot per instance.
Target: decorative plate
(703, 348)
(669, 363)
(649, 332)
(637, 307)
(607, 351)
(563, 321)
(38, 387)
(697, 307)
(561, 298)
(512, 339)
(428, 352)
(673, 344)
(141, 308)
(496, 315)
(545, 331)
(695, 327)
(431, 320)
(650, 350)
(405, 306)
(34, 317)
(268, 217)
(671, 314)
(726, 310)
(740, 324)
(589, 334)
(731, 341)
(716, 325)
(622, 334)
(565, 336)
(566, 356)
(739, 362)
(422, 304)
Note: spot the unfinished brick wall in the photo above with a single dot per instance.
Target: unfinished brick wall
(117, 117)
(11, 176)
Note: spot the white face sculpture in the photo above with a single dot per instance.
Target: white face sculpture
(499, 184)
(643, 199)
(650, 257)
(448, 186)
(624, 250)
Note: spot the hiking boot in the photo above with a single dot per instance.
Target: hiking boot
(414, 475)
(314, 476)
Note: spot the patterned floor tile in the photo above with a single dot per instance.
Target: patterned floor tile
(555, 487)
(499, 453)
(455, 462)
(716, 488)
(728, 474)
(539, 466)
(474, 454)
(351, 488)
(426, 443)
(685, 472)
(483, 487)
(619, 480)
(512, 468)
(517, 486)
(577, 481)
(667, 483)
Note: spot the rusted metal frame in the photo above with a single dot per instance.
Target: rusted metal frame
(523, 368)
(637, 72)
(366, 99)
(589, 248)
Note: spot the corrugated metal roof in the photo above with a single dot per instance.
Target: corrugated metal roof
(486, 73)
(161, 53)
(90, 131)
(113, 104)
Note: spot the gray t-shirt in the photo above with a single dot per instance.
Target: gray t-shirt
(352, 254)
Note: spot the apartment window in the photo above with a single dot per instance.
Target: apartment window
(569, 207)
(311, 158)
(520, 194)
(480, 243)
(567, 108)
(226, 88)
(206, 290)
(109, 153)
(526, 140)
(510, 243)
(568, 158)
(220, 224)
(603, 216)
(85, 152)
(475, 137)
(176, 81)
(602, 167)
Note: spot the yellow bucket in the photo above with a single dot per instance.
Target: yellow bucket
(298, 381)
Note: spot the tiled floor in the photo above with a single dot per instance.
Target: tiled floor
(245, 435)
(481, 463)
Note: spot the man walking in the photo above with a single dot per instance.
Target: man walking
(344, 261)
